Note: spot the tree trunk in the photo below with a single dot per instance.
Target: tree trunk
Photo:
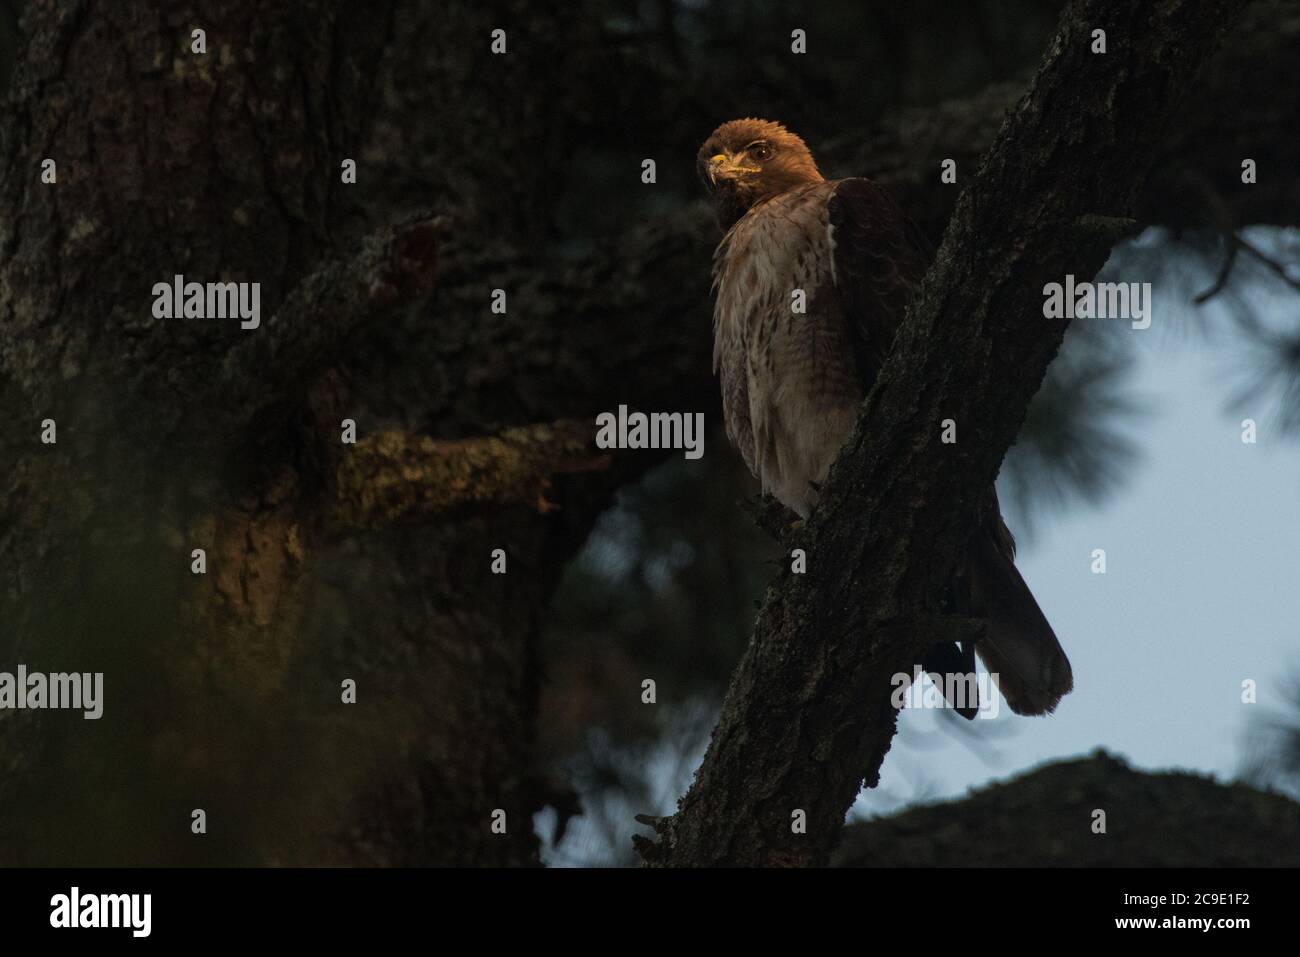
(372, 562)
(224, 690)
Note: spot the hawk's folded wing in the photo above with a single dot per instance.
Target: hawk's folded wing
(879, 258)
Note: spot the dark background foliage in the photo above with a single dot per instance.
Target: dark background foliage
(476, 694)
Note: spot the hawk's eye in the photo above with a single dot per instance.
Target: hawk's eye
(761, 151)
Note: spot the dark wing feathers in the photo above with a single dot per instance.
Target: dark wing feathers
(879, 258)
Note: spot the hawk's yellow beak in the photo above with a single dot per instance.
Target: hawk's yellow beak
(727, 166)
(714, 169)
(723, 166)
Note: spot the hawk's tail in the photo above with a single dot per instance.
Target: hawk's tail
(1018, 647)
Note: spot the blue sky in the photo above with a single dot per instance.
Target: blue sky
(1203, 549)
(1202, 543)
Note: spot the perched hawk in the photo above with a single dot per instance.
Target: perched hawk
(792, 382)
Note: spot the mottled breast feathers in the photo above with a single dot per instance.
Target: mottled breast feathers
(792, 381)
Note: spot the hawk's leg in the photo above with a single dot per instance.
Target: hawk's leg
(771, 516)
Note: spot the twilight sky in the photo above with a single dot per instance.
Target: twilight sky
(1203, 551)
(1202, 543)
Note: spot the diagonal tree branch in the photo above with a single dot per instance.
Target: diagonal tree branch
(808, 715)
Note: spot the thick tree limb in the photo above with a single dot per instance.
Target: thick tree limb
(226, 167)
(393, 475)
(808, 714)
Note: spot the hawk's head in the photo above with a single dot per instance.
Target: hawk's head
(747, 161)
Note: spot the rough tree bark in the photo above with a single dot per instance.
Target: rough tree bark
(223, 690)
(808, 715)
(176, 435)
(223, 693)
